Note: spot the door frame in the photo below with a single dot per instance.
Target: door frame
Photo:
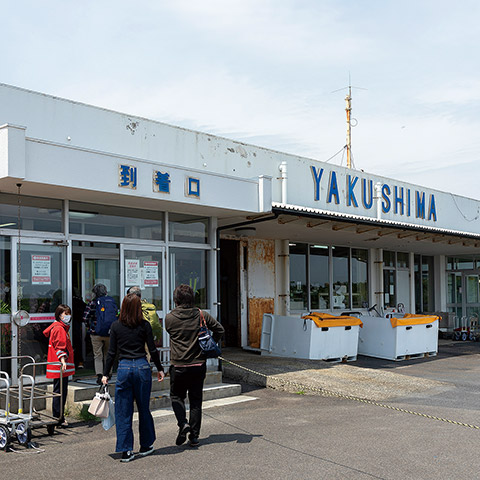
(37, 317)
(161, 249)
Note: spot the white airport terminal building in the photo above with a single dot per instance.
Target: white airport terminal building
(90, 195)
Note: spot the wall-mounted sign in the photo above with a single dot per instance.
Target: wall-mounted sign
(394, 199)
(150, 274)
(127, 176)
(41, 270)
(132, 272)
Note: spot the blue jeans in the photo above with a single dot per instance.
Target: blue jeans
(134, 382)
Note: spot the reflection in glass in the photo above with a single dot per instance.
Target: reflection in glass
(105, 271)
(389, 288)
(189, 266)
(144, 269)
(298, 277)
(388, 258)
(38, 214)
(5, 279)
(402, 260)
(341, 294)
(359, 277)
(187, 228)
(110, 221)
(319, 277)
(42, 278)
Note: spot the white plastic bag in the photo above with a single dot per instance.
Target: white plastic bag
(109, 422)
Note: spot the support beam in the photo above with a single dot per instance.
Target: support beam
(312, 225)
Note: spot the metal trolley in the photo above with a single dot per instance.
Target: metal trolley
(19, 425)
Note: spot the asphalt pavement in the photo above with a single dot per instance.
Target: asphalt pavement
(294, 434)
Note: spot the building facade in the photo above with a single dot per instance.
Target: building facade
(89, 195)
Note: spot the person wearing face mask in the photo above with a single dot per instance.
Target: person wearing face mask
(60, 350)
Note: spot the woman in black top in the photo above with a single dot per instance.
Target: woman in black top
(128, 336)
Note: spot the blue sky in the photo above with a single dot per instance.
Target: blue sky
(263, 72)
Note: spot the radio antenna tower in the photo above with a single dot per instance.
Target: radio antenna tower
(351, 122)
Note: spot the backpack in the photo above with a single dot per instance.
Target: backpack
(150, 315)
(106, 313)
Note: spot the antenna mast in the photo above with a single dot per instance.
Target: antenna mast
(348, 109)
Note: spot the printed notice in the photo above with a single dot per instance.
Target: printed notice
(150, 273)
(41, 270)
(132, 272)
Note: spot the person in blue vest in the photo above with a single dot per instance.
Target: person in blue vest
(99, 315)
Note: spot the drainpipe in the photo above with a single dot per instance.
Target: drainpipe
(283, 178)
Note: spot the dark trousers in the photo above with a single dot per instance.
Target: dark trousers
(56, 411)
(189, 380)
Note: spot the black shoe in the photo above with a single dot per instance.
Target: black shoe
(99, 378)
(182, 434)
(127, 456)
(50, 429)
(144, 451)
(193, 441)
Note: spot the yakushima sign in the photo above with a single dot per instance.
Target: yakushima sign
(397, 200)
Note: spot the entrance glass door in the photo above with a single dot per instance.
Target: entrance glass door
(144, 267)
(101, 270)
(472, 297)
(38, 289)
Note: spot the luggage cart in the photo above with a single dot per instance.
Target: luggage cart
(466, 328)
(19, 425)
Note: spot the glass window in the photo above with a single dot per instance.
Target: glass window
(319, 277)
(189, 266)
(42, 278)
(298, 277)
(388, 259)
(340, 265)
(402, 260)
(144, 269)
(359, 278)
(427, 284)
(5, 279)
(110, 221)
(451, 263)
(389, 288)
(187, 228)
(471, 282)
(38, 214)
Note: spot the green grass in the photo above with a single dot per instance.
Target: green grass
(85, 415)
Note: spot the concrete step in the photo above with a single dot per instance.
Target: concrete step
(79, 392)
(161, 399)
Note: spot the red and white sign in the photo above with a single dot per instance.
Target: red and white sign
(150, 272)
(132, 272)
(41, 270)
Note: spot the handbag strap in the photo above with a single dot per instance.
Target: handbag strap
(202, 319)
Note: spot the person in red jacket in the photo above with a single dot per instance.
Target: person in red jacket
(60, 350)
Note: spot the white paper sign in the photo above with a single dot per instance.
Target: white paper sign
(150, 274)
(132, 272)
(41, 270)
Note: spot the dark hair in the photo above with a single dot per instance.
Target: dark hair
(99, 290)
(131, 312)
(62, 308)
(136, 290)
(183, 296)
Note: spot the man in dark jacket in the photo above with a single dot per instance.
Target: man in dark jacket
(188, 365)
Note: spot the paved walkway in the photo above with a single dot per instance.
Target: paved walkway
(368, 378)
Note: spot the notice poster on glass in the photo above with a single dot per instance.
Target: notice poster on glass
(132, 272)
(41, 270)
(150, 274)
